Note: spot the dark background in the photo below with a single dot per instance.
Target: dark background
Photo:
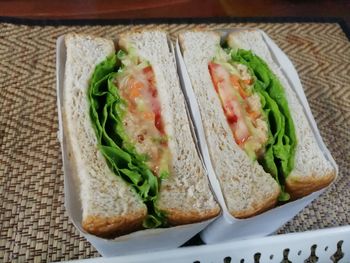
(135, 9)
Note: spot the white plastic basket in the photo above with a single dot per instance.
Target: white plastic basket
(327, 245)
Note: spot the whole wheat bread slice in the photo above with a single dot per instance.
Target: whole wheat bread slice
(185, 195)
(110, 206)
(312, 171)
(246, 187)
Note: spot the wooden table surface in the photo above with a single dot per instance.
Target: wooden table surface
(134, 9)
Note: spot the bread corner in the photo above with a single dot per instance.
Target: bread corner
(300, 186)
(110, 227)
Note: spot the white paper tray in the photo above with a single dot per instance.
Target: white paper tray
(136, 242)
(227, 227)
(141, 241)
(297, 247)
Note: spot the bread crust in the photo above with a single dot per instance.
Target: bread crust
(178, 217)
(300, 186)
(110, 227)
(257, 208)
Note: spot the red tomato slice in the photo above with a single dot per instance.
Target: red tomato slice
(240, 128)
(224, 84)
(158, 122)
(241, 132)
(229, 112)
(149, 74)
(148, 91)
(213, 69)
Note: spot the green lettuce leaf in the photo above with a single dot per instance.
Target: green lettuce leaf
(107, 110)
(278, 159)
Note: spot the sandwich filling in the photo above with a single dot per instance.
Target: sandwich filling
(126, 115)
(256, 110)
(241, 106)
(143, 120)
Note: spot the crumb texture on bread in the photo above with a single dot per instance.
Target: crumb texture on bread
(185, 195)
(246, 187)
(109, 205)
(312, 171)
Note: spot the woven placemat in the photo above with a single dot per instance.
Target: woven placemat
(33, 223)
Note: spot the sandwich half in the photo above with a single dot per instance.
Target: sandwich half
(261, 145)
(128, 136)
